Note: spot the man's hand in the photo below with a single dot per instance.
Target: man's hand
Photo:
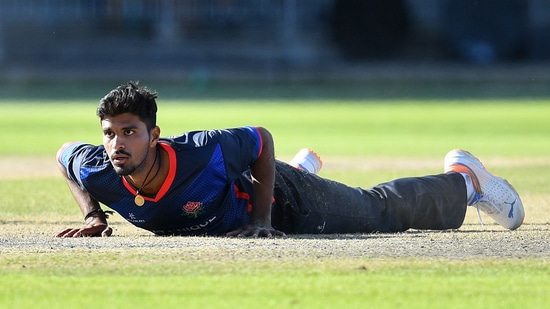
(95, 218)
(252, 230)
(95, 227)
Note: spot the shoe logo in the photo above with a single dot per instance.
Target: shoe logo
(511, 213)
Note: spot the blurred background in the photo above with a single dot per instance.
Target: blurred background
(200, 42)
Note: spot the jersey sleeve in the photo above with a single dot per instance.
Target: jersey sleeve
(240, 147)
(77, 155)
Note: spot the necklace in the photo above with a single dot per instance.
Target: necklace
(139, 200)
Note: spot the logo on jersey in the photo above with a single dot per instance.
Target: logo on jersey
(132, 218)
(193, 209)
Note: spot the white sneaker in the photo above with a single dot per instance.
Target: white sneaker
(307, 160)
(493, 195)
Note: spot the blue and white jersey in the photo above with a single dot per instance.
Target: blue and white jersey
(207, 190)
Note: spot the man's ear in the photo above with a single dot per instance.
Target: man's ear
(155, 135)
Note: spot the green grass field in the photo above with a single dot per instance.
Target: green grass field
(362, 142)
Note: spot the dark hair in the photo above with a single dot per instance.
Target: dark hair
(132, 99)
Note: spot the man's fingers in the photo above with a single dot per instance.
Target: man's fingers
(255, 231)
(262, 233)
(107, 232)
(70, 232)
(62, 233)
(237, 232)
(100, 230)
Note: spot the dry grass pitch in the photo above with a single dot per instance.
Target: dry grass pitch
(471, 241)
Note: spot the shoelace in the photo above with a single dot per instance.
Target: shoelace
(479, 216)
(477, 197)
(481, 202)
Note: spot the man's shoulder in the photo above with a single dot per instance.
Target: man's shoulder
(89, 156)
(198, 138)
(80, 150)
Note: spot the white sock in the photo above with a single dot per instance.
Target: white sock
(470, 191)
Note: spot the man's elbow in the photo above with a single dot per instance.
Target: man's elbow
(59, 154)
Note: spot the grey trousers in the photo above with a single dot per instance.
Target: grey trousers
(308, 204)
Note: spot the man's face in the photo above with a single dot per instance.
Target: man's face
(127, 141)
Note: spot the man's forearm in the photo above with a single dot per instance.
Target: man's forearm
(263, 176)
(86, 203)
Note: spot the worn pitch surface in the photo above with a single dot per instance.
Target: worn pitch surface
(471, 241)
